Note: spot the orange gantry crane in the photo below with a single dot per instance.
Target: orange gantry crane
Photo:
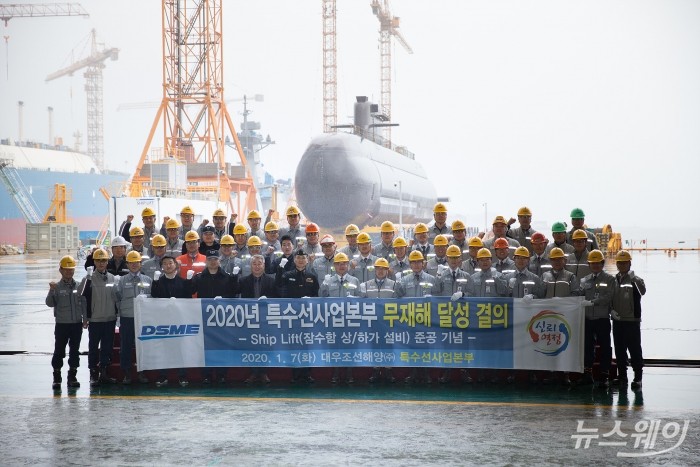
(193, 114)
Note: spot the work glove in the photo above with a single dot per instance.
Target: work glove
(456, 296)
(283, 262)
(89, 270)
(615, 315)
(218, 297)
(528, 297)
(156, 275)
(587, 303)
(190, 274)
(236, 270)
(262, 297)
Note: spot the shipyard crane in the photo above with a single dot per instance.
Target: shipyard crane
(34, 10)
(93, 87)
(330, 68)
(193, 114)
(388, 28)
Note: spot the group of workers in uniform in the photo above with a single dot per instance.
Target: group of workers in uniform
(259, 260)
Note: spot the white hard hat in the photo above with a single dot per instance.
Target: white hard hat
(119, 241)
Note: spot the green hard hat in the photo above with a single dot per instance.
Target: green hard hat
(558, 227)
(577, 213)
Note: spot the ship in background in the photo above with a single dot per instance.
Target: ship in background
(40, 167)
(360, 178)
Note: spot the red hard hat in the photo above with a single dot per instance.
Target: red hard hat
(311, 228)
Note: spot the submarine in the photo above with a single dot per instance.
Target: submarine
(358, 177)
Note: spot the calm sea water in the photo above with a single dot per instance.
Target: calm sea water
(670, 309)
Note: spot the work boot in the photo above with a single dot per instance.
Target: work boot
(445, 377)
(565, 381)
(586, 379)
(603, 380)
(621, 380)
(466, 378)
(72, 380)
(104, 377)
(637, 381)
(57, 380)
(94, 377)
(142, 377)
(375, 376)
(389, 376)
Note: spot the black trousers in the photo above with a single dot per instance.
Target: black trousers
(67, 334)
(627, 336)
(598, 331)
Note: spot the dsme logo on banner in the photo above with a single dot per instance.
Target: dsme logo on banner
(168, 331)
(550, 332)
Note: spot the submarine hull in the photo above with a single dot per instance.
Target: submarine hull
(344, 179)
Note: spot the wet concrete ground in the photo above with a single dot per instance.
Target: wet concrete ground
(325, 425)
(313, 425)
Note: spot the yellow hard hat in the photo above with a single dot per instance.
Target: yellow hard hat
(387, 227)
(420, 228)
(499, 220)
(483, 253)
(172, 224)
(134, 257)
(415, 256)
(458, 225)
(595, 256)
(524, 211)
(254, 214)
(440, 240)
(227, 240)
(158, 240)
(399, 242)
(363, 238)
(579, 234)
(187, 210)
(623, 255)
(556, 253)
(100, 254)
(476, 241)
(254, 241)
(67, 262)
(292, 211)
(352, 229)
(454, 251)
(240, 229)
(439, 207)
(136, 232)
(271, 227)
(191, 235)
(381, 263)
(340, 258)
(219, 213)
(147, 212)
(522, 251)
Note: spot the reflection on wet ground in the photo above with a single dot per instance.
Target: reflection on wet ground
(234, 424)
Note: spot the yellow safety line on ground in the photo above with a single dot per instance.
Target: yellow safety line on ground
(361, 401)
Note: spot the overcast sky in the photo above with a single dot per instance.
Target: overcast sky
(549, 104)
